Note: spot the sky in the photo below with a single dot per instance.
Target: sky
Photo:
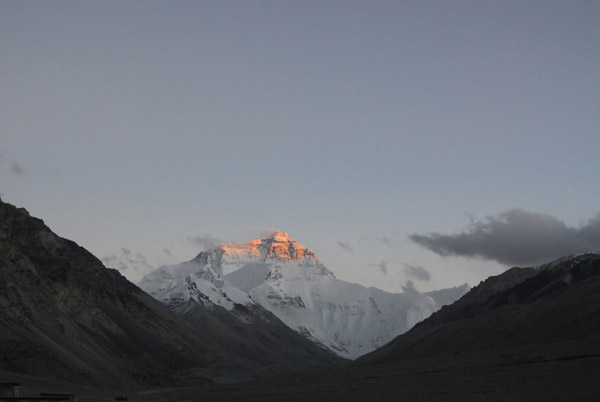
(437, 142)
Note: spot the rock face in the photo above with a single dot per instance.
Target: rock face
(63, 315)
(281, 276)
(555, 303)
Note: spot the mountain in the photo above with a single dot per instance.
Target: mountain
(528, 334)
(64, 316)
(555, 303)
(281, 276)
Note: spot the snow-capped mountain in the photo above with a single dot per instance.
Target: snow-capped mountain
(287, 279)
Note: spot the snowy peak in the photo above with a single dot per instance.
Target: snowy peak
(286, 278)
(284, 248)
(225, 274)
(279, 246)
(280, 235)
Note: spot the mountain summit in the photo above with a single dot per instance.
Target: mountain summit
(281, 276)
(278, 246)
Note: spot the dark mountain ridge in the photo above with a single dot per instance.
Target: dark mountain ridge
(556, 302)
(528, 334)
(65, 316)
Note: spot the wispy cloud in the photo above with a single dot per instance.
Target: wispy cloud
(417, 272)
(388, 241)
(515, 237)
(204, 242)
(409, 288)
(345, 246)
(17, 169)
(383, 267)
(133, 265)
(167, 252)
(266, 232)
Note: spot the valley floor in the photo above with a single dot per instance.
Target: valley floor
(559, 372)
(555, 372)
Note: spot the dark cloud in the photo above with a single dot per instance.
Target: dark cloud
(516, 237)
(204, 242)
(417, 272)
(346, 246)
(16, 168)
(383, 267)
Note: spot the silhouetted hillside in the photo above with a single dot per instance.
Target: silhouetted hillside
(556, 302)
(63, 315)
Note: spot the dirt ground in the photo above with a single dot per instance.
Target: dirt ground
(559, 372)
(548, 373)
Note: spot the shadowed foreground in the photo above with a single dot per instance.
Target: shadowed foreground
(554, 372)
(524, 335)
(70, 325)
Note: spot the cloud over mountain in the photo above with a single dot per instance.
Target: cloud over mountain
(204, 242)
(383, 267)
(417, 272)
(132, 264)
(515, 237)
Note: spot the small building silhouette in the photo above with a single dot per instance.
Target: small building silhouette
(10, 389)
(11, 392)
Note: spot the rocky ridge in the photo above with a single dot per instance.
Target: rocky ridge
(553, 303)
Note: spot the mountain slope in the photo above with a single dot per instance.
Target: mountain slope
(524, 307)
(278, 274)
(529, 334)
(63, 315)
(262, 344)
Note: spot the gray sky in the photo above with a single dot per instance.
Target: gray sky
(146, 131)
